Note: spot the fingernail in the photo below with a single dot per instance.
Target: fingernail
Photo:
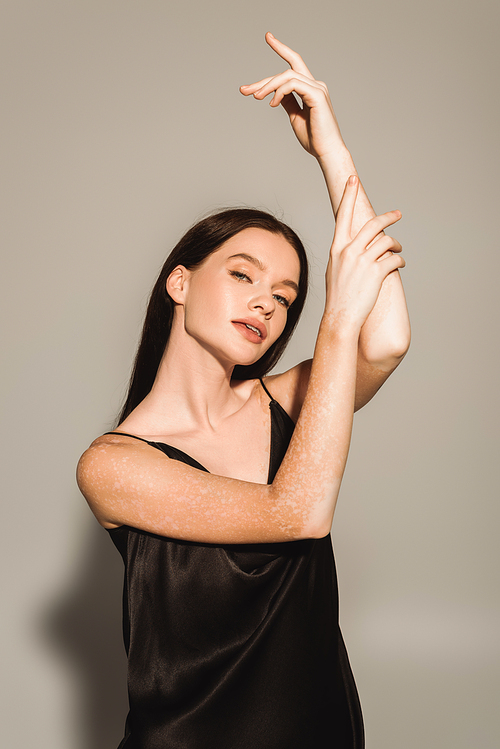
(352, 179)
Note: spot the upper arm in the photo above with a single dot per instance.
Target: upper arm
(290, 388)
(370, 378)
(138, 485)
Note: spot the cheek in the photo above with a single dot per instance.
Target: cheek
(278, 325)
(209, 302)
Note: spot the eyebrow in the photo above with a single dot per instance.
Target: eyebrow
(258, 264)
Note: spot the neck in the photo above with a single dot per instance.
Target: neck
(192, 390)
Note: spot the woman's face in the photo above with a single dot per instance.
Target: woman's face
(236, 302)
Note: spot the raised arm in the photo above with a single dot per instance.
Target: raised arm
(385, 335)
(131, 483)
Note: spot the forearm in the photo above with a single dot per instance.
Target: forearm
(385, 336)
(308, 481)
(337, 166)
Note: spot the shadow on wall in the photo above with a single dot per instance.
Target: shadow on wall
(84, 628)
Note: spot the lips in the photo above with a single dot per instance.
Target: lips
(252, 329)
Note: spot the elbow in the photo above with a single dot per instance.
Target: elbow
(392, 353)
(296, 517)
(400, 340)
(397, 353)
(319, 530)
(400, 344)
(309, 528)
(318, 525)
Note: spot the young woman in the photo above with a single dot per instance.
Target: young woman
(218, 487)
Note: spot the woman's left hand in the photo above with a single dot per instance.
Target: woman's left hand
(314, 124)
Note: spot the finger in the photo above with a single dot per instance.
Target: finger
(309, 91)
(382, 245)
(251, 88)
(289, 102)
(291, 105)
(390, 264)
(375, 225)
(270, 84)
(298, 81)
(286, 53)
(345, 212)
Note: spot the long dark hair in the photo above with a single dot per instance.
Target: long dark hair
(196, 245)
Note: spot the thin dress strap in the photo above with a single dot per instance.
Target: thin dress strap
(266, 390)
(124, 434)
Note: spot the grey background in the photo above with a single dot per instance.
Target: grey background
(122, 123)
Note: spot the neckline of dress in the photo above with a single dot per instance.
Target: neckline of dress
(198, 465)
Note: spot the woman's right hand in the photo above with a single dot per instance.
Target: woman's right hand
(358, 264)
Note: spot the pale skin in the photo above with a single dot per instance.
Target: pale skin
(225, 425)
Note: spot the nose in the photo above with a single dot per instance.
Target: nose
(263, 302)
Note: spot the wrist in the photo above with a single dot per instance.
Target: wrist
(337, 158)
(341, 326)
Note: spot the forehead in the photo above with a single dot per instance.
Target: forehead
(272, 250)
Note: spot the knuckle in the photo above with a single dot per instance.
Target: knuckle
(377, 222)
(394, 245)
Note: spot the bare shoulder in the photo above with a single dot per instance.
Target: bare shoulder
(290, 387)
(103, 466)
(105, 448)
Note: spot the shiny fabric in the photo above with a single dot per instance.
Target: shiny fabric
(235, 646)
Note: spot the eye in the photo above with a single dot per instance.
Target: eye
(282, 300)
(240, 276)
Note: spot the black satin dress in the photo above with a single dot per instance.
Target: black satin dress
(235, 646)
